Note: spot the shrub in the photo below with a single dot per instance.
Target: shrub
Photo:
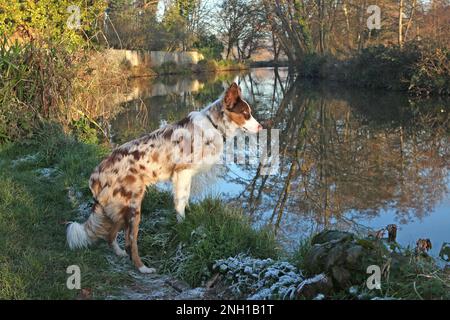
(207, 66)
(420, 68)
(209, 46)
(171, 67)
(34, 81)
(48, 19)
(431, 73)
(231, 65)
(312, 65)
(41, 81)
(382, 67)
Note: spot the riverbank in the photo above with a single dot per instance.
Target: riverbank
(45, 184)
(203, 66)
(81, 90)
(418, 68)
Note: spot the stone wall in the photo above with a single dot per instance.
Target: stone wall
(155, 58)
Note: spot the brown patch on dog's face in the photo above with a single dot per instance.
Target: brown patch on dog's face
(240, 112)
(237, 109)
(232, 94)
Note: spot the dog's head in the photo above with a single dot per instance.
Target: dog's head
(238, 110)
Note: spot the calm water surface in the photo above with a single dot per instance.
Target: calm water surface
(350, 159)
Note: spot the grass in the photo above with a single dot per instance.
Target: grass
(34, 208)
(299, 254)
(210, 232)
(418, 278)
(213, 231)
(32, 233)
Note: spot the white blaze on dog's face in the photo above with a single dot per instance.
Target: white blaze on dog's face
(239, 111)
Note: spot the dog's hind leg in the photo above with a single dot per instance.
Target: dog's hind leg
(112, 240)
(134, 230)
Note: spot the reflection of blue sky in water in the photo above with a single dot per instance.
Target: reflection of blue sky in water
(436, 225)
(372, 198)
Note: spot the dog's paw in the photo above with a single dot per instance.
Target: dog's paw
(145, 269)
(121, 253)
(180, 218)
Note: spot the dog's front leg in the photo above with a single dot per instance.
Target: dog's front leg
(181, 190)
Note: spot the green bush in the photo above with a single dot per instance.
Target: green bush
(207, 66)
(312, 66)
(171, 67)
(48, 20)
(209, 46)
(84, 130)
(420, 68)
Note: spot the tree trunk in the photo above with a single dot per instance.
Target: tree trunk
(411, 16)
(276, 50)
(347, 23)
(229, 46)
(400, 24)
(320, 5)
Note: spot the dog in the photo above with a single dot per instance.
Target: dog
(174, 152)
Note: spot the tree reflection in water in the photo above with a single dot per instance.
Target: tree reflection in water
(347, 155)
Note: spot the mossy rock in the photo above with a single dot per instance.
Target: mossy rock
(343, 257)
(331, 235)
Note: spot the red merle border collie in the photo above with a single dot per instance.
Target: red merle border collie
(119, 182)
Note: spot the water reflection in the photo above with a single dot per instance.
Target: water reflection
(349, 158)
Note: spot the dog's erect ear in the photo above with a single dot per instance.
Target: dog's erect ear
(231, 95)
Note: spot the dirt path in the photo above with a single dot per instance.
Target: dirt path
(153, 286)
(158, 287)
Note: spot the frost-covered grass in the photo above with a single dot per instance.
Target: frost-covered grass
(211, 231)
(260, 279)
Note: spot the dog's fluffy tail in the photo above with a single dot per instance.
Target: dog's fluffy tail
(82, 235)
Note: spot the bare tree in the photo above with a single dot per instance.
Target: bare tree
(242, 26)
(286, 21)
